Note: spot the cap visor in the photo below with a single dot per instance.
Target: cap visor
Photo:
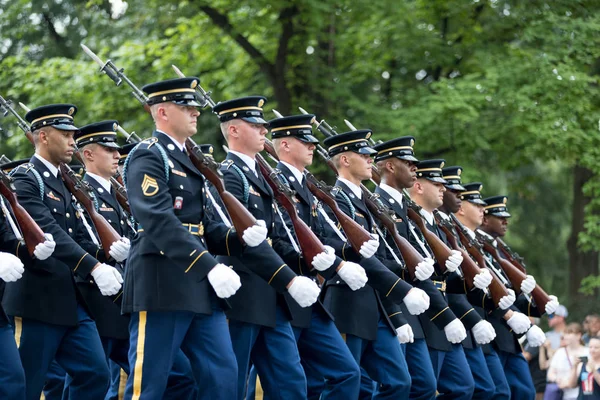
(408, 158)
(65, 127)
(112, 145)
(255, 120)
(308, 139)
(436, 179)
(457, 187)
(191, 103)
(366, 150)
(501, 214)
(477, 201)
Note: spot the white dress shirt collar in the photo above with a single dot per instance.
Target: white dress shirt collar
(395, 193)
(249, 161)
(298, 174)
(103, 182)
(355, 189)
(175, 142)
(53, 170)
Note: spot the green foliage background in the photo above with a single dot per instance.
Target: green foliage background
(507, 89)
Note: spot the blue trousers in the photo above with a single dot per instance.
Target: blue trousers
(12, 376)
(78, 350)
(383, 361)
(502, 390)
(117, 382)
(484, 384)
(454, 378)
(421, 370)
(274, 353)
(156, 342)
(517, 374)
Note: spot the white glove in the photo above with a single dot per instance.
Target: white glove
(119, 250)
(11, 268)
(483, 332)
(552, 305)
(519, 323)
(528, 284)
(353, 274)
(405, 334)
(424, 269)
(224, 280)
(416, 301)
(324, 260)
(535, 336)
(304, 291)
(508, 300)
(370, 247)
(108, 279)
(46, 248)
(256, 234)
(483, 279)
(454, 261)
(455, 331)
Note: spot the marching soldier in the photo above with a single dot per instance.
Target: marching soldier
(364, 316)
(174, 287)
(259, 318)
(51, 322)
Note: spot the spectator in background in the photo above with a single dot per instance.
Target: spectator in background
(562, 363)
(591, 327)
(557, 322)
(585, 375)
(536, 368)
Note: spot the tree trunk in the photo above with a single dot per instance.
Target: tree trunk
(581, 264)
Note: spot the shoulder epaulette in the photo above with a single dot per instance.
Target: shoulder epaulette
(27, 168)
(226, 164)
(147, 144)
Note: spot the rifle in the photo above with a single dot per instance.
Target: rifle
(30, 230)
(496, 288)
(239, 215)
(512, 256)
(411, 256)
(84, 194)
(121, 193)
(5, 108)
(309, 242)
(516, 276)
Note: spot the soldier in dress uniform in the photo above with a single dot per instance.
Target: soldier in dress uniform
(447, 355)
(366, 317)
(259, 319)
(175, 288)
(51, 320)
(494, 215)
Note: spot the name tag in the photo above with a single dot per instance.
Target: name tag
(180, 173)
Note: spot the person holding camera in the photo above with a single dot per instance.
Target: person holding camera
(563, 361)
(585, 375)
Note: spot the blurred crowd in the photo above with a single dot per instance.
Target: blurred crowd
(567, 366)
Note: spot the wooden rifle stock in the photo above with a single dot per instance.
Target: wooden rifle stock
(308, 241)
(516, 277)
(441, 251)
(496, 288)
(83, 193)
(121, 194)
(411, 256)
(241, 218)
(32, 233)
(513, 257)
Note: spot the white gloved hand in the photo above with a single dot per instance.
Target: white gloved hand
(108, 279)
(224, 280)
(256, 234)
(416, 301)
(119, 250)
(11, 268)
(424, 269)
(528, 284)
(455, 331)
(483, 279)
(370, 247)
(324, 260)
(353, 274)
(552, 305)
(483, 332)
(519, 323)
(454, 261)
(405, 334)
(46, 248)
(304, 291)
(508, 300)
(535, 336)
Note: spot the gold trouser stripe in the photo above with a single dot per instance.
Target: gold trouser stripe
(139, 357)
(122, 385)
(80, 260)
(194, 262)
(465, 314)
(276, 272)
(438, 314)
(393, 286)
(18, 330)
(17, 250)
(391, 315)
